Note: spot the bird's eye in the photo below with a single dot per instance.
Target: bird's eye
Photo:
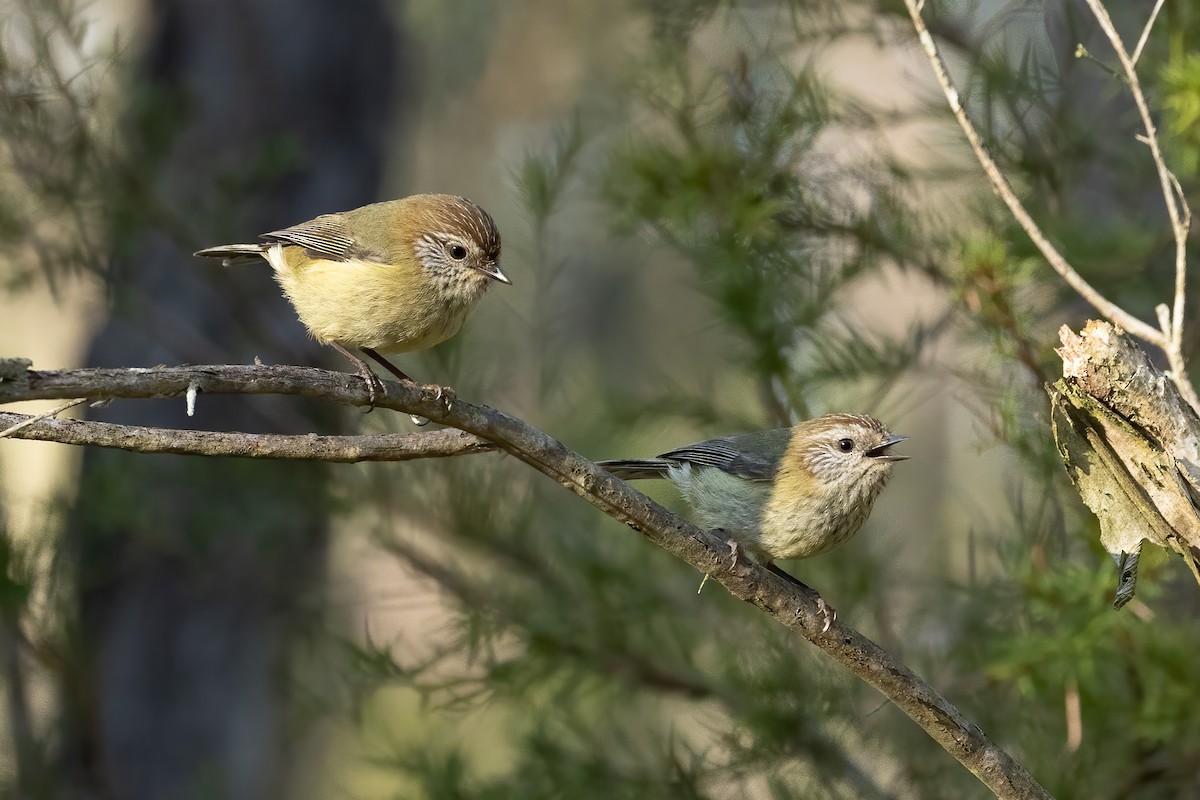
(458, 252)
(846, 445)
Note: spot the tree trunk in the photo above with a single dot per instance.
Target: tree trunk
(195, 576)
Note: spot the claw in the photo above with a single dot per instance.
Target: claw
(375, 387)
(441, 394)
(827, 611)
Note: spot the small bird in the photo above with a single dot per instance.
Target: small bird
(388, 277)
(782, 493)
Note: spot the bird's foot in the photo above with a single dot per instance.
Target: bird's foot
(375, 387)
(735, 550)
(827, 611)
(735, 547)
(443, 394)
(392, 368)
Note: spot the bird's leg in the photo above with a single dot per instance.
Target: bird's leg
(389, 366)
(374, 385)
(773, 567)
(443, 392)
(827, 611)
(392, 368)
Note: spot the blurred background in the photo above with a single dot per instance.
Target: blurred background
(718, 216)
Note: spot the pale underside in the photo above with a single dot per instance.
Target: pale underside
(770, 524)
(397, 309)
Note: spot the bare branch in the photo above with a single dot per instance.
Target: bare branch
(1004, 189)
(795, 607)
(309, 447)
(1177, 207)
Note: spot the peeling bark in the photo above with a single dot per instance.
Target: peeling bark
(1131, 445)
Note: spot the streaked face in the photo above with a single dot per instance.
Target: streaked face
(460, 235)
(840, 448)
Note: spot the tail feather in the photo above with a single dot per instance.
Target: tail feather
(231, 254)
(636, 469)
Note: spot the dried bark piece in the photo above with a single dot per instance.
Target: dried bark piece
(1084, 433)
(1131, 446)
(1111, 367)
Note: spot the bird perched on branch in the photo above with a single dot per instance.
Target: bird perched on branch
(389, 277)
(782, 493)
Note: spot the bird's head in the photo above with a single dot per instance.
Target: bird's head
(454, 239)
(846, 453)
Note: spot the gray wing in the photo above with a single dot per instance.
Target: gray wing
(324, 236)
(637, 468)
(753, 456)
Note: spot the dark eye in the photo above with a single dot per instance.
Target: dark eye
(846, 445)
(458, 252)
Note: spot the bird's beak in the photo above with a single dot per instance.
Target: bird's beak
(494, 272)
(880, 451)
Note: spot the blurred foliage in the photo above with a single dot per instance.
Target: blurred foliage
(702, 249)
(1181, 102)
(739, 185)
(58, 159)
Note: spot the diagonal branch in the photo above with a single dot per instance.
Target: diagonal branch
(794, 606)
(1004, 189)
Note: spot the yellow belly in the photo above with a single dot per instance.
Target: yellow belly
(392, 309)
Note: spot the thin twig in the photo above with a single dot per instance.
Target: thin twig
(1004, 189)
(796, 607)
(1137, 51)
(309, 447)
(27, 420)
(1177, 207)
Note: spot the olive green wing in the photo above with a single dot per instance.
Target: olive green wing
(326, 237)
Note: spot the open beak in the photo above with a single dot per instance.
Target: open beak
(880, 451)
(494, 272)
